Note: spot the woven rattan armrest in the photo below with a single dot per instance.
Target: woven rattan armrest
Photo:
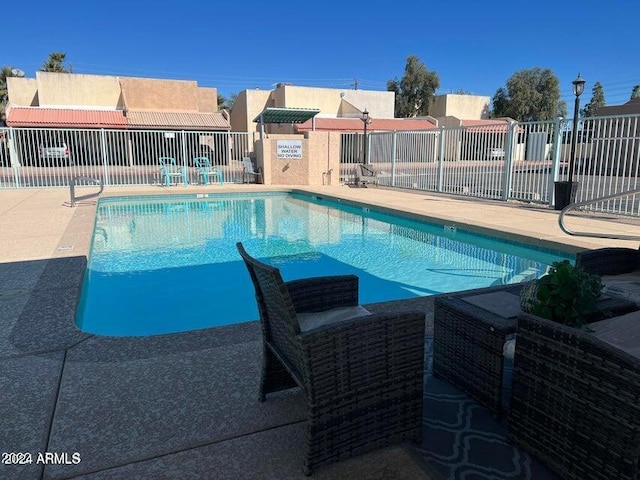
(376, 349)
(323, 293)
(364, 384)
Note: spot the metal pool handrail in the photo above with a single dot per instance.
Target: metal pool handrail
(573, 206)
(72, 188)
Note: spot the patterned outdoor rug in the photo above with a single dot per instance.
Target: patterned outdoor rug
(461, 440)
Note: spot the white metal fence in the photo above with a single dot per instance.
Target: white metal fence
(517, 161)
(33, 157)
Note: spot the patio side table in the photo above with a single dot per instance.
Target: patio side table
(468, 340)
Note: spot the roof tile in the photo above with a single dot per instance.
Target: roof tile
(377, 124)
(178, 120)
(65, 117)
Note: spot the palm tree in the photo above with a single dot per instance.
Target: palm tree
(55, 63)
(4, 92)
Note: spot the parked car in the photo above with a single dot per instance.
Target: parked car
(496, 153)
(58, 151)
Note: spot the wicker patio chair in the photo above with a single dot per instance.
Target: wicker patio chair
(575, 402)
(362, 377)
(609, 261)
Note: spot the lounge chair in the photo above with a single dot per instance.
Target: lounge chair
(362, 373)
(169, 171)
(249, 172)
(365, 175)
(206, 170)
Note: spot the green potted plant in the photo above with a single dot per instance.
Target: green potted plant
(566, 294)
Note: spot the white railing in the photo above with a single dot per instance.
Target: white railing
(577, 205)
(502, 161)
(34, 157)
(76, 181)
(608, 163)
(510, 161)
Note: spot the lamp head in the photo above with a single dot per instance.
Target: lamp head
(365, 116)
(578, 86)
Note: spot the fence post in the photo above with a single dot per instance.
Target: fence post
(441, 160)
(555, 160)
(13, 157)
(103, 147)
(508, 162)
(183, 144)
(393, 158)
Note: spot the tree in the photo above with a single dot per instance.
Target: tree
(415, 92)
(55, 63)
(5, 72)
(226, 103)
(530, 95)
(635, 92)
(500, 103)
(597, 101)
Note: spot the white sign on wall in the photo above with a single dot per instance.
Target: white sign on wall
(289, 148)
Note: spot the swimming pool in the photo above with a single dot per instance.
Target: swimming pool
(169, 264)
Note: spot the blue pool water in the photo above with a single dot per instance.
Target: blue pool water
(161, 265)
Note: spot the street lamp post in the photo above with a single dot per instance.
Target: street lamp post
(578, 88)
(366, 120)
(565, 190)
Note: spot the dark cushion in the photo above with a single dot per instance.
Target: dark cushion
(311, 321)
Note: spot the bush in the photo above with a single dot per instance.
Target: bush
(565, 294)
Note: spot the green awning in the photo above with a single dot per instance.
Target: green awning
(286, 115)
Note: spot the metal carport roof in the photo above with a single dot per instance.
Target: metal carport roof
(286, 115)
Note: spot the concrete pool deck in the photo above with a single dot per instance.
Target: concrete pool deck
(181, 405)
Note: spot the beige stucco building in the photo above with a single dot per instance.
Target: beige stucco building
(446, 110)
(78, 100)
(332, 103)
(452, 109)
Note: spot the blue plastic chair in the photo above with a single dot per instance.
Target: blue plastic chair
(206, 170)
(169, 170)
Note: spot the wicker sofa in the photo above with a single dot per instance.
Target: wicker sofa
(609, 261)
(619, 268)
(575, 401)
(362, 376)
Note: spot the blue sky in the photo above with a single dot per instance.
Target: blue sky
(472, 45)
